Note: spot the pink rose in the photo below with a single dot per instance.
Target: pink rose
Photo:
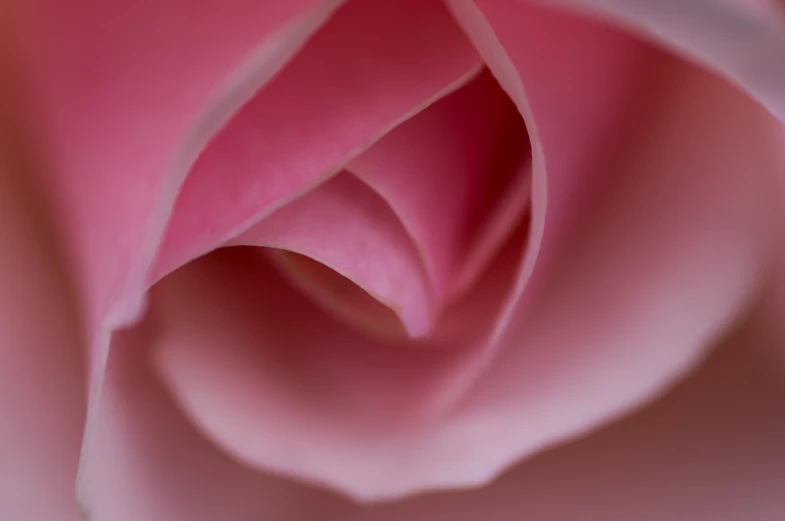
(324, 259)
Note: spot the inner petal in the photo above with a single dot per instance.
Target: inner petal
(340, 296)
(374, 64)
(345, 226)
(468, 157)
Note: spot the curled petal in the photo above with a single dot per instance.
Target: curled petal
(674, 235)
(376, 64)
(347, 227)
(709, 450)
(743, 40)
(468, 157)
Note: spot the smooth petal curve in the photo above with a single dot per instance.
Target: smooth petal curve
(374, 65)
(42, 393)
(744, 40)
(347, 227)
(123, 115)
(150, 462)
(42, 369)
(678, 237)
(120, 103)
(710, 450)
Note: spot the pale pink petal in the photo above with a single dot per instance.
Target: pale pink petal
(42, 372)
(376, 63)
(710, 450)
(444, 173)
(651, 242)
(744, 40)
(150, 462)
(344, 225)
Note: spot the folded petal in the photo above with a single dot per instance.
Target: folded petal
(42, 391)
(375, 64)
(710, 450)
(447, 172)
(121, 103)
(344, 225)
(658, 225)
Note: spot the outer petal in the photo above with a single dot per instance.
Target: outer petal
(744, 40)
(42, 392)
(710, 450)
(623, 298)
(123, 101)
(150, 463)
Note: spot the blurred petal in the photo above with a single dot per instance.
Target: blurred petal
(375, 64)
(743, 40)
(42, 391)
(710, 450)
(123, 102)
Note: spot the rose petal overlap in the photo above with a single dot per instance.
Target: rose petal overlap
(379, 246)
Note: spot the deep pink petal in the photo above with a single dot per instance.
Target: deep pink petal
(344, 225)
(374, 65)
(710, 450)
(447, 172)
(124, 101)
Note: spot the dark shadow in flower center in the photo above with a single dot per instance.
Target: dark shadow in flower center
(457, 176)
